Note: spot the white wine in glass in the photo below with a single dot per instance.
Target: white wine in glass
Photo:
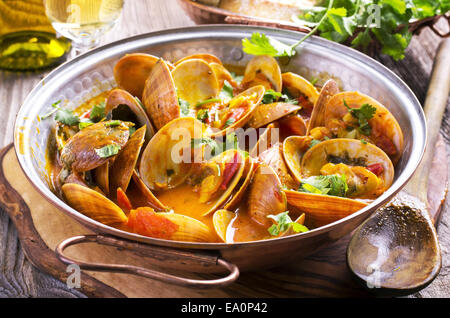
(83, 21)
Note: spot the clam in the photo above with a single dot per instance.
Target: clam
(123, 106)
(170, 226)
(267, 139)
(323, 209)
(221, 220)
(265, 196)
(222, 75)
(125, 162)
(273, 157)
(267, 113)
(207, 57)
(94, 145)
(294, 148)
(384, 130)
(147, 193)
(354, 159)
(101, 174)
(302, 90)
(238, 111)
(329, 89)
(93, 204)
(132, 70)
(195, 81)
(241, 188)
(166, 160)
(292, 124)
(159, 95)
(262, 70)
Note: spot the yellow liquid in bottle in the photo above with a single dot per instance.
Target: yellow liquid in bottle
(27, 39)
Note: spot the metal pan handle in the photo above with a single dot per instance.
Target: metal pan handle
(163, 255)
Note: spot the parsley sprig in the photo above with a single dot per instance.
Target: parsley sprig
(357, 23)
(363, 114)
(283, 223)
(335, 185)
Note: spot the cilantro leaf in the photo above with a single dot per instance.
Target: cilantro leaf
(66, 117)
(270, 96)
(283, 223)
(335, 185)
(363, 114)
(108, 151)
(98, 112)
(260, 44)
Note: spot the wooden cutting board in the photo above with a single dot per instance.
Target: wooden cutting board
(41, 227)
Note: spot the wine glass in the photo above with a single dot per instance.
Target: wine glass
(83, 21)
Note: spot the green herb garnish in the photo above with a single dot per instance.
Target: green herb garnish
(203, 115)
(84, 124)
(208, 101)
(227, 90)
(56, 108)
(113, 123)
(229, 122)
(283, 223)
(66, 117)
(108, 151)
(184, 107)
(363, 114)
(97, 112)
(335, 185)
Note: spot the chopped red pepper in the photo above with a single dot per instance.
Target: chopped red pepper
(235, 114)
(375, 168)
(229, 171)
(146, 222)
(307, 106)
(86, 114)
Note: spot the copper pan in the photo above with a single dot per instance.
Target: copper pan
(91, 73)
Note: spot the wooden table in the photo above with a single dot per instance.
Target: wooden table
(18, 278)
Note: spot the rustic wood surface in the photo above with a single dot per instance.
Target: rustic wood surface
(19, 278)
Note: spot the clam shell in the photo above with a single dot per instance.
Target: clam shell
(207, 57)
(189, 229)
(93, 204)
(329, 89)
(195, 81)
(222, 75)
(267, 139)
(238, 194)
(267, 113)
(257, 92)
(132, 70)
(323, 209)
(265, 196)
(147, 193)
(224, 157)
(101, 174)
(319, 155)
(295, 84)
(273, 157)
(80, 154)
(160, 96)
(263, 70)
(125, 162)
(293, 149)
(118, 98)
(385, 127)
(221, 220)
(165, 161)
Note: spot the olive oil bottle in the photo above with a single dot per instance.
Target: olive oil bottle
(27, 39)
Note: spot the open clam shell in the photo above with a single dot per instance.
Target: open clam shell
(323, 209)
(166, 160)
(302, 90)
(93, 204)
(221, 220)
(241, 188)
(132, 70)
(101, 175)
(267, 113)
(159, 95)
(329, 89)
(125, 162)
(207, 57)
(147, 193)
(385, 130)
(123, 106)
(195, 81)
(262, 70)
(294, 148)
(81, 151)
(266, 196)
(244, 105)
(350, 152)
(189, 229)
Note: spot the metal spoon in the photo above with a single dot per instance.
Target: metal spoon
(396, 251)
